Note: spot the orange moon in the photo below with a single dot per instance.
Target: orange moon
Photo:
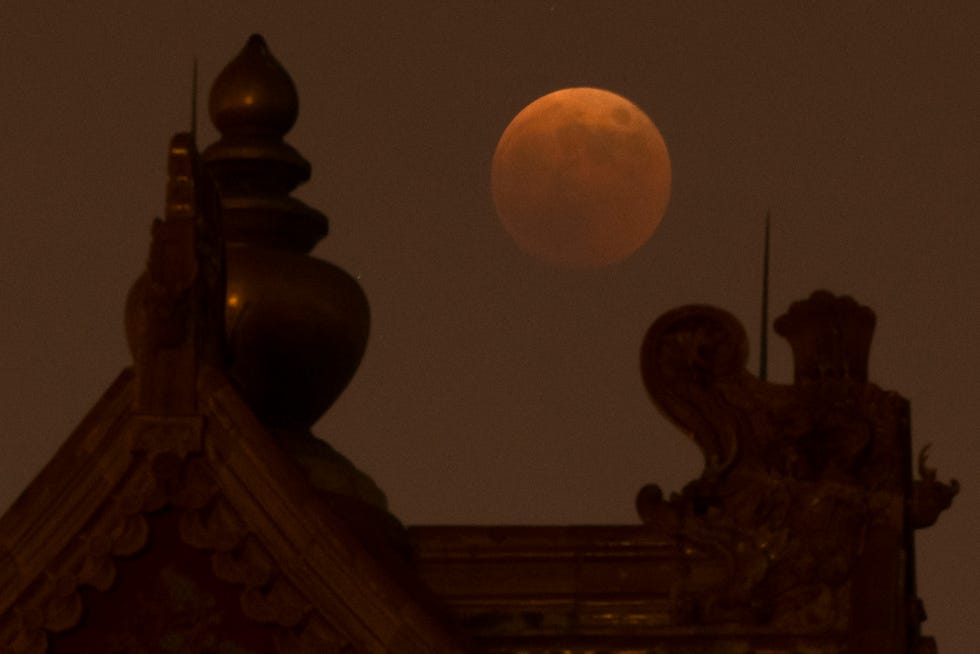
(581, 178)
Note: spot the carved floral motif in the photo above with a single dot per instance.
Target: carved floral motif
(166, 471)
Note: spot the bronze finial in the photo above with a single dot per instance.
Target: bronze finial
(254, 94)
(296, 326)
(253, 103)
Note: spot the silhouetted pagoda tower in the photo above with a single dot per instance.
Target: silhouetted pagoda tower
(193, 511)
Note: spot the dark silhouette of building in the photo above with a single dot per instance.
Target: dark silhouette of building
(193, 510)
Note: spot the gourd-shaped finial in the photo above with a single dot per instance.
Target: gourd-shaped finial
(253, 103)
(296, 326)
(254, 94)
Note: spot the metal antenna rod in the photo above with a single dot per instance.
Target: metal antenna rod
(194, 102)
(764, 325)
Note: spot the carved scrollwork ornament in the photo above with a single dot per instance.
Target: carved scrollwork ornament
(930, 497)
(795, 475)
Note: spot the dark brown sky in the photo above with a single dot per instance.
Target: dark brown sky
(495, 389)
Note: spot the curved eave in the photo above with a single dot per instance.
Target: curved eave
(56, 505)
(46, 536)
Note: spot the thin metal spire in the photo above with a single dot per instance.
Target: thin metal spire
(194, 102)
(764, 324)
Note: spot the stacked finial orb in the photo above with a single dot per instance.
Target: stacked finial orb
(254, 94)
(296, 326)
(253, 103)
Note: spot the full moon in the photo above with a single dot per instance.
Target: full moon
(581, 178)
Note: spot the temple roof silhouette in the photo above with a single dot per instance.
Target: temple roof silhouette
(192, 510)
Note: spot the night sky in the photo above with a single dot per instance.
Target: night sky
(496, 389)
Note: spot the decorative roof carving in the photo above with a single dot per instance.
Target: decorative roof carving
(798, 479)
(930, 497)
(173, 438)
(796, 538)
(175, 310)
(830, 337)
(238, 497)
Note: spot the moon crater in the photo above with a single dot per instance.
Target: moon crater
(581, 178)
